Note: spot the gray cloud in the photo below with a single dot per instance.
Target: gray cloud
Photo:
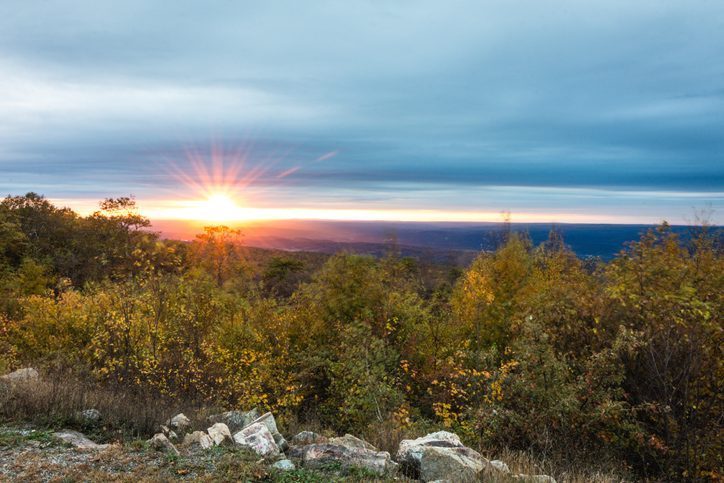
(613, 95)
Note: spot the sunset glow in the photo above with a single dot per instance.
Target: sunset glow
(226, 211)
(219, 207)
(225, 187)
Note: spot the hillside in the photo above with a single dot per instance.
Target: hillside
(572, 366)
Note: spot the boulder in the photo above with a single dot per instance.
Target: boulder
(179, 422)
(320, 455)
(352, 442)
(89, 416)
(220, 434)
(170, 433)
(439, 456)
(307, 437)
(267, 419)
(160, 442)
(259, 439)
(198, 439)
(456, 464)
(79, 440)
(25, 374)
(441, 439)
(235, 420)
(284, 465)
(500, 466)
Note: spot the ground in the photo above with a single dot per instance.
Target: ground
(28, 454)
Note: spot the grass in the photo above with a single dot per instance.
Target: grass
(129, 418)
(14, 438)
(521, 462)
(55, 401)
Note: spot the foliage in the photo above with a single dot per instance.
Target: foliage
(529, 348)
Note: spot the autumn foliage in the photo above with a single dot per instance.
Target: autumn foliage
(529, 348)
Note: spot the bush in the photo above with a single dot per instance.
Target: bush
(529, 349)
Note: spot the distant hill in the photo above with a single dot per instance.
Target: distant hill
(441, 241)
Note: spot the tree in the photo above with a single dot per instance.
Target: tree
(282, 275)
(670, 296)
(117, 237)
(217, 250)
(489, 292)
(50, 233)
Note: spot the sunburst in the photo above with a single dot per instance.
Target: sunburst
(215, 185)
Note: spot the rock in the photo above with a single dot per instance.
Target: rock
(307, 437)
(25, 374)
(78, 440)
(267, 419)
(535, 478)
(441, 439)
(352, 442)
(258, 438)
(408, 454)
(220, 434)
(179, 422)
(89, 416)
(315, 456)
(438, 456)
(457, 464)
(500, 466)
(284, 465)
(235, 420)
(198, 438)
(160, 442)
(170, 433)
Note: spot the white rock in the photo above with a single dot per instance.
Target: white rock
(20, 375)
(78, 440)
(456, 464)
(235, 420)
(284, 465)
(198, 438)
(500, 466)
(90, 415)
(220, 434)
(160, 442)
(440, 438)
(170, 433)
(258, 438)
(179, 422)
(352, 442)
(321, 455)
(439, 456)
(307, 437)
(267, 419)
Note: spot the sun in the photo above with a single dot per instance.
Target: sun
(220, 207)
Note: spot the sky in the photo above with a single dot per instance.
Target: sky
(564, 111)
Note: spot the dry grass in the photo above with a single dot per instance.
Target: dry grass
(56, 401)
(572, 472)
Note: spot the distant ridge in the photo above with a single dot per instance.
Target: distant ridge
(420, 239)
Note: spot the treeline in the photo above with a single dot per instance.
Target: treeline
(528, 348)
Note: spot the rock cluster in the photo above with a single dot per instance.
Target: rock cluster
(439, 456)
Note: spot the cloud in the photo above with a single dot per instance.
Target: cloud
(613, 95)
